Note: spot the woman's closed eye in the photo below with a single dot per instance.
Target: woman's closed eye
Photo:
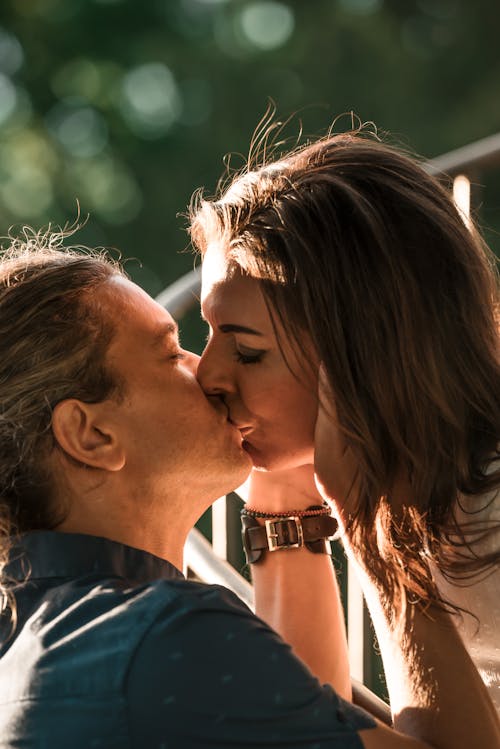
(249, 356)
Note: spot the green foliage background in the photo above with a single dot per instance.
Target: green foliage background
(129, 106)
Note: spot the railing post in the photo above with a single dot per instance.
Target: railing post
(219, 527)
(355, 624)
(461, 196)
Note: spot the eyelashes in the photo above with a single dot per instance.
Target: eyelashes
(241, 355)
(254, 358)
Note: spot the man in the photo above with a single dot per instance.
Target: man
(109, 452)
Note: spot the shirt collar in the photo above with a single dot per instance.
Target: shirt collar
(44, 554)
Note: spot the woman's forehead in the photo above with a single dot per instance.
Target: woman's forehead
(215, 268)
(220, 273)
(234, 298)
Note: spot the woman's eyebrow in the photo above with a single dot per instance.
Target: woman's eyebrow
(230, 328)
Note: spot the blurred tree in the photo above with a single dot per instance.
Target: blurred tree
(128, 107)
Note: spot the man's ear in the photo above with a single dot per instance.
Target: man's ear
(82, 431)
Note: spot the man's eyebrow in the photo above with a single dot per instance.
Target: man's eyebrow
(169, 329)
(230, 328)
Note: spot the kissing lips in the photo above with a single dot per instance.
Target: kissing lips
(243, 429)
(252, 451)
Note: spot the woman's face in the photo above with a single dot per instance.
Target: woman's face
(274, 409)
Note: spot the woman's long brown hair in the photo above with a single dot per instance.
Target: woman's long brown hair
(357, 246)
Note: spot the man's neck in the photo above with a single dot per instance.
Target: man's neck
(139, 524)
(139, 538)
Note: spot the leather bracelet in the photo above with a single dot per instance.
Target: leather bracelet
(312, 510)
(291, 532)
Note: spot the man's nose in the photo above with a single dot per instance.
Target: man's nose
(214, 375)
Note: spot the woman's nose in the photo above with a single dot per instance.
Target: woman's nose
(214, 374)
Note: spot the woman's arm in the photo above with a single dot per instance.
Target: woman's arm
(296, 591)
(436, 692)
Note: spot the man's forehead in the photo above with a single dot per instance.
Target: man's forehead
(134, 309)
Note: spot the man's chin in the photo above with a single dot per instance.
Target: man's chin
(243, 474)
(230, 480)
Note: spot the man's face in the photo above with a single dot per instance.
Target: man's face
(176, 439)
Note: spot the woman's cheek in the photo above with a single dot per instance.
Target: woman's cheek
(298, 415)
(260, 395)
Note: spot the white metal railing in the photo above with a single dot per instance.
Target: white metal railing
(208, 561)
(475, 157)
(207, 566)
(180, 296)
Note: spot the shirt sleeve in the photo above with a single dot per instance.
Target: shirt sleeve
(208, 673)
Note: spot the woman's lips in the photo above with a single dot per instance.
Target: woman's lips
(252, 451)
(246, 445)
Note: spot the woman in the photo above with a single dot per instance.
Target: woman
(346, 254)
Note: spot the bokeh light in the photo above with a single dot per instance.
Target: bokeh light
(151, 100)
(80, 129)
(27, 165)
(8, 98)
(78, 77)
(106, 188)
(267, 25)
(11, 53)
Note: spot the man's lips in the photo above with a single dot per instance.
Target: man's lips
(244, 430)
(221, 408)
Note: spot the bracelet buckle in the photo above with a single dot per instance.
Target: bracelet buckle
(289, 537)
